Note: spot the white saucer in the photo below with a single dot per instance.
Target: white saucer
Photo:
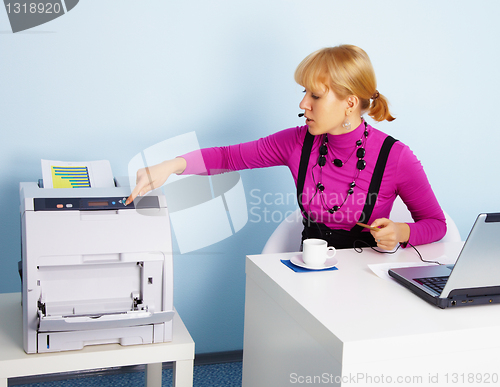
(297, 261)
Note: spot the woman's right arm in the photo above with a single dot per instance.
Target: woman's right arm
(150, 178)
(265, 152)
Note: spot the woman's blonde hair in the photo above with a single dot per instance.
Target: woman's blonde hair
(346, 70)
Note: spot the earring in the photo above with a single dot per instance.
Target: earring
(347, 124)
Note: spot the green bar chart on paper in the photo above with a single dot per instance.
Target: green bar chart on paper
(70, 177)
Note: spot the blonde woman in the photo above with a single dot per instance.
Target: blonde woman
(345, 170)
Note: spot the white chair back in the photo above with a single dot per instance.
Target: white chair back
(287, 236)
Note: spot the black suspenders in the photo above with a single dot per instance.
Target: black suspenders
(375, 182)
(301, 177)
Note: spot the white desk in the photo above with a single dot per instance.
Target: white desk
(351, 327)
(14, 362)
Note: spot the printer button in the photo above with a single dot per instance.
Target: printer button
(59, 206)
(69, 205)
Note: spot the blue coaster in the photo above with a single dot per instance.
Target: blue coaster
(299, 269)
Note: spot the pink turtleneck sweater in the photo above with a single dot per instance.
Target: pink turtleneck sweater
(403, 176)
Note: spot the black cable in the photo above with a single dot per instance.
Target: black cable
(359, 250)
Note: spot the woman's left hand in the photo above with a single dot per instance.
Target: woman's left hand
(389, 233)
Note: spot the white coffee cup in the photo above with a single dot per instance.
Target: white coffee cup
(315, 252)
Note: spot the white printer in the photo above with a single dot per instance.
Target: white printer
(94, 271)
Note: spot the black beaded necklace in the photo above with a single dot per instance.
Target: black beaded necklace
(359, 149)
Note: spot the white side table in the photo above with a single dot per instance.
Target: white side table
(14, 362)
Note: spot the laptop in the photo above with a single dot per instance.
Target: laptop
(473, 280)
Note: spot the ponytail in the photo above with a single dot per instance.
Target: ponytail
(379, 108)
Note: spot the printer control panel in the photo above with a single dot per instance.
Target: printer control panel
(92, 203)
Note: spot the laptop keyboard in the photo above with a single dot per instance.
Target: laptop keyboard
(433, 283)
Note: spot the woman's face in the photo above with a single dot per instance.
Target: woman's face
(324, 112)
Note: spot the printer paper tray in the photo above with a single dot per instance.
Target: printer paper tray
(82, 323)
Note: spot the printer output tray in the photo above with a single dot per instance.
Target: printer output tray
(101, 321)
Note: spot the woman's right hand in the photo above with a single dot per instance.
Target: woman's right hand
(150, 178)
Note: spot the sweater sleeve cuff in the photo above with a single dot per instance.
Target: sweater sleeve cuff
(195, 165)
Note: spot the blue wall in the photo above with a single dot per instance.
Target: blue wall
(110, 79)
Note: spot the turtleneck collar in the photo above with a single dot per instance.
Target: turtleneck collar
(347, 140)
